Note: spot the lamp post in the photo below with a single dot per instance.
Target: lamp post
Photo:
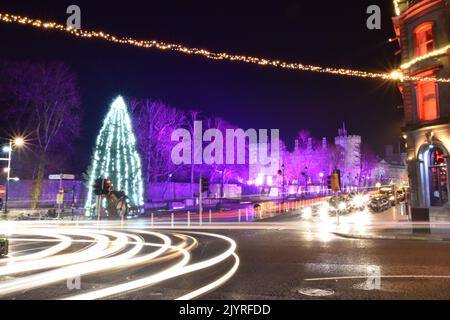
(321, 174)
(305, 175)
(18, 142)
(281, 173)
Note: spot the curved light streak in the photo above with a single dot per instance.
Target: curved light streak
(106, 246)
(178, 269)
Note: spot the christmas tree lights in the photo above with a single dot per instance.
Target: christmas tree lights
(115, 156)
(35, 23)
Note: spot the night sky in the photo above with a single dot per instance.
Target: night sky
(326, 33)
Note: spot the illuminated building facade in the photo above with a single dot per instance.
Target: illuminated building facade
(351, 156)
(423, 31)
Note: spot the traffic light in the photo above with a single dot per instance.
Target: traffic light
(98, 186)
(102, 186)
(204, 184)
(107, 186)
(336, 180)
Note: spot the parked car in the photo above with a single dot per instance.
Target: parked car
(358, 201)
(401, 195)
(379, 204)
(4, 246)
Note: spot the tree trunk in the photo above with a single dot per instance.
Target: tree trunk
(222, 185)
(37, 187)
(192, 180)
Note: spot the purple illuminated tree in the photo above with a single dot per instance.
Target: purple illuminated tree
(369, 162)
(154, 122)
(43, 101)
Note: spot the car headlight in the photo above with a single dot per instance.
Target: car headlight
(324, 209)
(307, 212)
(342, 206)
(360, 200)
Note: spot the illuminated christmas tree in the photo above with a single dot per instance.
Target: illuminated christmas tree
(115, 156)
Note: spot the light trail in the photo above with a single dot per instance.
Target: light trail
(104, 247)
(180, 268)
(400, 276)
(213, 285)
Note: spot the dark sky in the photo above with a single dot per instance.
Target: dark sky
(327, 33)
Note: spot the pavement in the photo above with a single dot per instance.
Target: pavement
(394, 224)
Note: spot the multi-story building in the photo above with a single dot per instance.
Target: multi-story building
(392, 168)
(423, 31)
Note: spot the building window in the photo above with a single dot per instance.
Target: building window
(426, 94)
(424, 39)
(438, 177)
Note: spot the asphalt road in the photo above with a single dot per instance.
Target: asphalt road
(273, 260)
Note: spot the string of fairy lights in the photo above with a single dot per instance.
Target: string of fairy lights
(429, 55)
(115, 156)
(396, 75)
(397, 7)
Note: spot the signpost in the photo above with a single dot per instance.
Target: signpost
(60, 195)
(61, 176)
(200, 204)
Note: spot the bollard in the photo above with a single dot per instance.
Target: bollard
(152, 221)
(171, 220)
(189, 219)
(210, 216)
(200, 218)
(239, 215)
(246, 214)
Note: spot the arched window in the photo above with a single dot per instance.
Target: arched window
(437, 177)
(424, 40)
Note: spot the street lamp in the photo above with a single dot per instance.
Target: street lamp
(321, 175)
(15, 142)
(305, 175)
(281, 172)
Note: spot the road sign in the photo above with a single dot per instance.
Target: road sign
(60, 197)
(61, 176)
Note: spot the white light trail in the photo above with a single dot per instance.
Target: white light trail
(103, 247)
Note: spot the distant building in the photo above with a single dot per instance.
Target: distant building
(391, 168)
(423, 31)
(351, 156)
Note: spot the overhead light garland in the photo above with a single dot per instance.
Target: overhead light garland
(429, 55)
(9, 18)
(397, 7)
